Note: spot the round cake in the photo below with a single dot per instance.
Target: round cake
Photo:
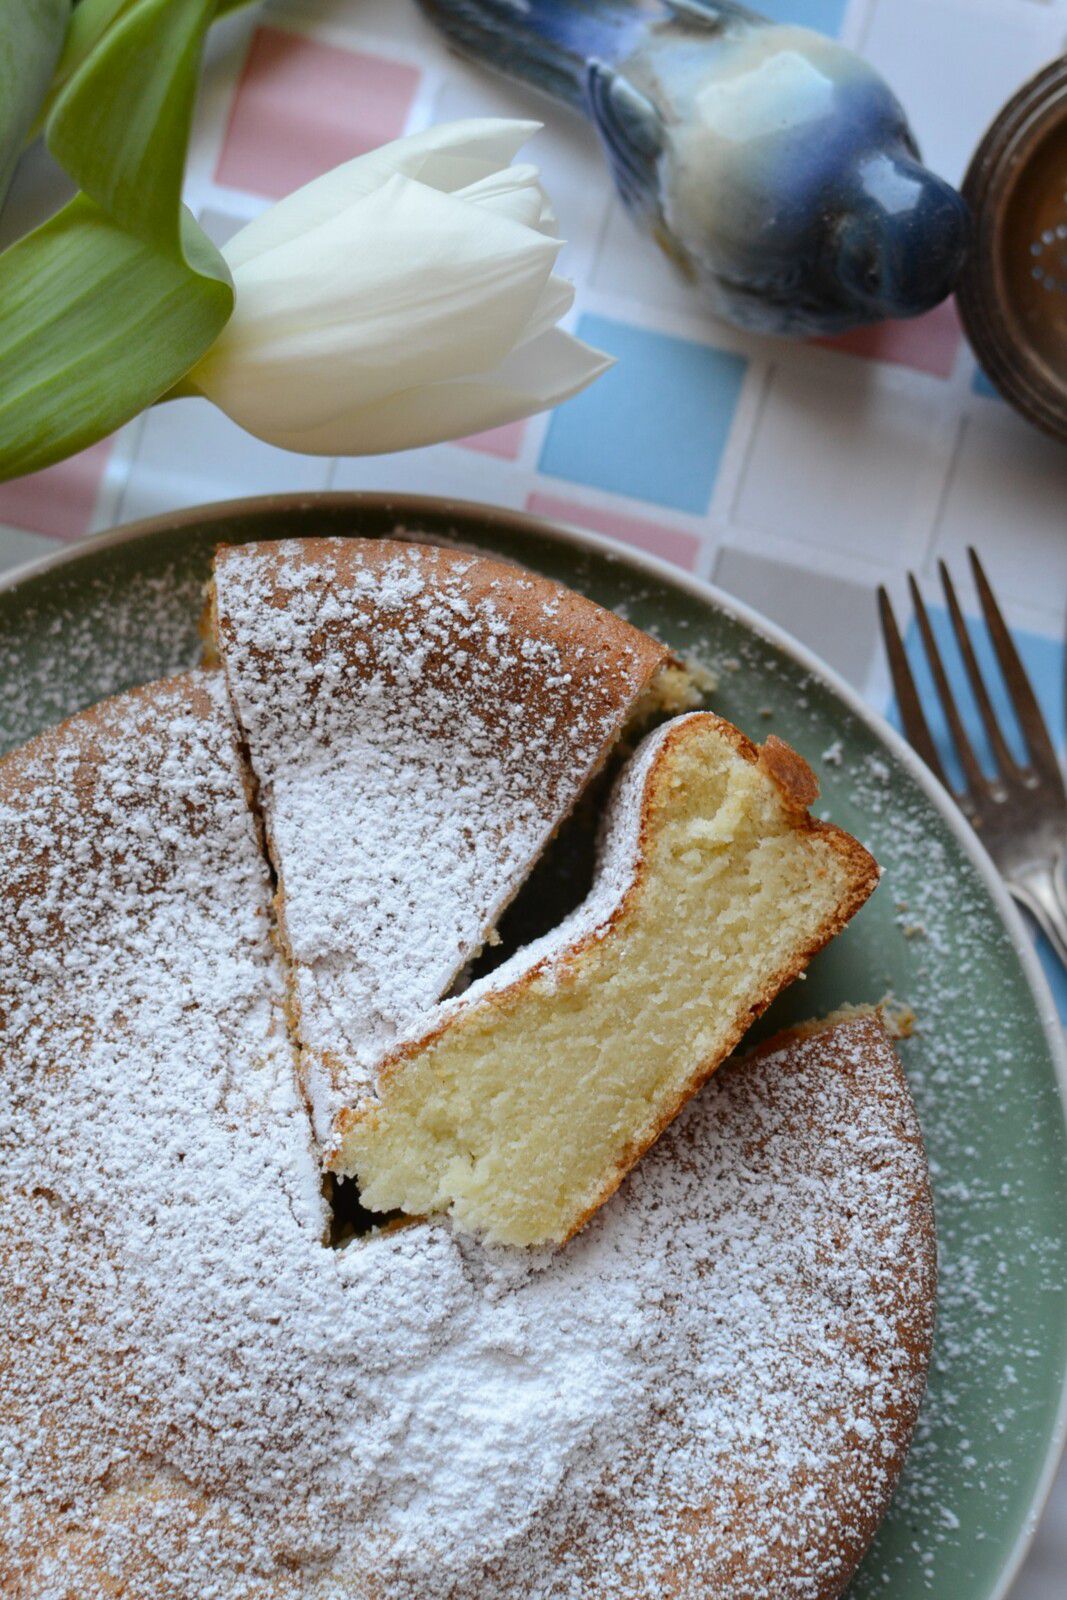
(710, 1391)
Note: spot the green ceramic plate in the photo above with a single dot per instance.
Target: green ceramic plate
(986, 1062)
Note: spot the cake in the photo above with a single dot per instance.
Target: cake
(418, 721)
(529, 1097)
(710, 1391)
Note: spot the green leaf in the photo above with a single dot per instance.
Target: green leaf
(121, 125)
(94, 326)
(105, 308)
(31, 37)
(91, 21)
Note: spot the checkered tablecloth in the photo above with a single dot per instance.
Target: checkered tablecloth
(795, 477)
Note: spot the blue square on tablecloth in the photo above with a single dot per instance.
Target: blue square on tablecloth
(826, 15)
(656, 425)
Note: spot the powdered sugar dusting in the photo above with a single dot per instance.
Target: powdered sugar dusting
(91, 636)
(977, 1064)
(200, 1399)
(419, 721)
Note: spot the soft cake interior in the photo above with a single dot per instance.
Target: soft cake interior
(537, 1090)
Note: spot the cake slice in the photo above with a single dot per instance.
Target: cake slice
(418, 721)
(524, 1105)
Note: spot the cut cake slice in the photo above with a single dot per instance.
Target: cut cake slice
(525, 1104)
(418, 721)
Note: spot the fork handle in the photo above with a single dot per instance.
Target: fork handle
(1041, 890)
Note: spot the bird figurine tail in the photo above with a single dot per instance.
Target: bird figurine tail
(546, 43)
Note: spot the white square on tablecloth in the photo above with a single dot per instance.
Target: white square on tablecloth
(844, 456)
(189, 452)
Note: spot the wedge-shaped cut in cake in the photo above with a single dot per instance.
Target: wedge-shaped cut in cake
(418, 721)
(522, 1108)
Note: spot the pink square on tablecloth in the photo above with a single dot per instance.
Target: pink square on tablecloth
(58, 502)
(505, 442)
(927, 344)
(302, 107)
(670, 544)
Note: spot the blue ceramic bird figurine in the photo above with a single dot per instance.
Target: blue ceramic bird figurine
(774, 166)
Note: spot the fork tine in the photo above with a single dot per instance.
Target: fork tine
(975, 778)
(1003, 756)
(911, 712)
(1042, 753)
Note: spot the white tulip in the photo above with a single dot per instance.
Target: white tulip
(406, 297)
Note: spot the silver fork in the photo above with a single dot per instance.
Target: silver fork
(1020, 814)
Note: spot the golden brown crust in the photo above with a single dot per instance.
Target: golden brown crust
(796, 782)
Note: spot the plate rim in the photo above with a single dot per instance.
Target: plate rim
(404, 505)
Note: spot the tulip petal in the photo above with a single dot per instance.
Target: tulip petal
(458, 153)
(557, 297)
(549, 222)
(448, 157)
(542, 374)
(406, 288)
(514, 192)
